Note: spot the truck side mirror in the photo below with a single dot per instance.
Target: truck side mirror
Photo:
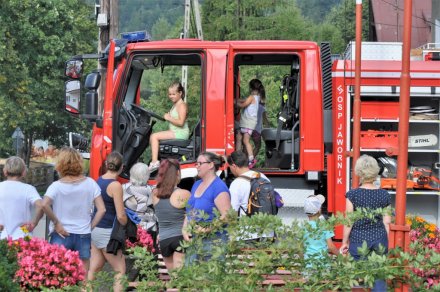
(74, 69)
(72, 96)
(92, 83)
(91, 103)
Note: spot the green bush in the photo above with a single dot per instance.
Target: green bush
(8, 267)
(233, 265)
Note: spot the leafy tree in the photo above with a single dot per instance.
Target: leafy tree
(316, 10)
(143, 14)
(326, 32)
(161, 29)
(36, 37)
(343, 18)
(247, 20)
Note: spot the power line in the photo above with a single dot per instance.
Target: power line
(415, 16)
(395, 25)
(192, 21)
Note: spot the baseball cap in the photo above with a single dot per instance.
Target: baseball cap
(312, 204)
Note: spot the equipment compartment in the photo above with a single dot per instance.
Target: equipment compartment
(378, 139)
(379, 110)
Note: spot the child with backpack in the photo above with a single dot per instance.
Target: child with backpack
(241, 187)
(317, 242)
(251, 192)
(249, 117)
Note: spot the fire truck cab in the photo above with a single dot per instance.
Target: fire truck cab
(306, 146)
(219, 73)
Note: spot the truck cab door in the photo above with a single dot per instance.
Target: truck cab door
(143, 100)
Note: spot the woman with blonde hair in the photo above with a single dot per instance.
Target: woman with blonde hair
(68, 203)
(112, 195)
(17, 200)
(372, 231)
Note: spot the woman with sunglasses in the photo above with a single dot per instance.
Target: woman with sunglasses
(208, 194)
(169, 202)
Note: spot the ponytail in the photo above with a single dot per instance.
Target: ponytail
(257, 85)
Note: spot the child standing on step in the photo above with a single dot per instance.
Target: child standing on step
(249, 117)
(176, 117)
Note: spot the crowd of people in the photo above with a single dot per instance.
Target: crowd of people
(94, 217)
(84, 212)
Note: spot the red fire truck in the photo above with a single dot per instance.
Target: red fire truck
(307, 148)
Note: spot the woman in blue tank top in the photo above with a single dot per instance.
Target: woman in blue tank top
(112, 194)
(169, 202)
(208, 194)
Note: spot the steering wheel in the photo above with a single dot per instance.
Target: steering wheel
(150, 113)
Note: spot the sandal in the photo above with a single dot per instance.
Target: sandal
(154, 166)
(252, 163)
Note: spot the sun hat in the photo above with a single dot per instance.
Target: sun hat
(312, 204)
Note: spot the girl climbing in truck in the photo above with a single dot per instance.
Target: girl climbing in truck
(249, 117)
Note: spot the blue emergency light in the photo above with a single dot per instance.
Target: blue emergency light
(136, 36)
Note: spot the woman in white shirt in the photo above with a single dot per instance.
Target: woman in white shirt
(68, 203)
(16, 201)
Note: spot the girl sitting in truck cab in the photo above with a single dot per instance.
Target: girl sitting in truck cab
(178, 126)
(249, 117)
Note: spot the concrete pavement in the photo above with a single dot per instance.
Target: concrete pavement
(40, 230)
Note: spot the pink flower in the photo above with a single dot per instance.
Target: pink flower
(42, 264)
(144, 239)
(427, 236)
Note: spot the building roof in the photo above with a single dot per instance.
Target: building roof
(388, 21)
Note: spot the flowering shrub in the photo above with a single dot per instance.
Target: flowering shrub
(42, 264)
(144, 239)
(420, 228)
(424, 236)
(234, 265)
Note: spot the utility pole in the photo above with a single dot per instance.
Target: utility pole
(357, 95)
(107, 14)
(198, 19)
(190, 5)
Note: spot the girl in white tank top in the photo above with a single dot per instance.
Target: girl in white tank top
(249, 118)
